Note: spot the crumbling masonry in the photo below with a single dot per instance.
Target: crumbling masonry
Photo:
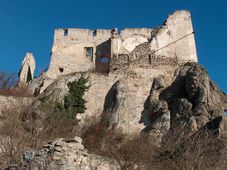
(144, 53)
(81, 50)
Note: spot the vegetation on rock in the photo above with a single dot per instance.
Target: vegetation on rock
(61, 120)
(74, 102)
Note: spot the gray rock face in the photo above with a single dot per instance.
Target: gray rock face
(114, 106)
(67, 154)
(190, 102)
(26, 73)
(156, 116)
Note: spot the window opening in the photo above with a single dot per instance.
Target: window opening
(61, 69)
(89, 52)
(94, 33)
(66, 32)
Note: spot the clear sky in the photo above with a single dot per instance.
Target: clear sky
(28, 26)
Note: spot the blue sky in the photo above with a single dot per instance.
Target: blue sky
(28, 26)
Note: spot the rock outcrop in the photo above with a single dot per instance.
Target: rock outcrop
(26, 73)
(189, 103)
(156, 116)
(102, 95)
(67, 154)
(114, 110)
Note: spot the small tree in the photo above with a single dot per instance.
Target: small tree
(61, 114)
(74, 102)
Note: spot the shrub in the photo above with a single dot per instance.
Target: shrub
(74, 101)
(61, 119)
(14, 140)
(202, 150)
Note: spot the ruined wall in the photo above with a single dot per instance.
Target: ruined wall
(175, 39)
(69, 54)
(27, 70)
(171, 44)
(176, 35)
(126, 41)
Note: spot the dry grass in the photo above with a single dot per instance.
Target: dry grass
(178, 151)
(8, 86)
(14, 140)
(203, 150)
(21, 91)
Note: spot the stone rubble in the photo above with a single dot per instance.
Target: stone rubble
(70, 154)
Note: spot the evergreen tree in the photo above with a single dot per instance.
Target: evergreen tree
(74, 102)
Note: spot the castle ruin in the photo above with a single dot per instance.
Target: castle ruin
(128, 61)
(81, 50)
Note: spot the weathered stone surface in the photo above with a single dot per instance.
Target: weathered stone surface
(192, 100)
(67, 154)
(26, 73)
(69, 51)
(114, 111)
(171, 44)
(136, 87)
(155, 115)
(178, 29)
(80, 50)
(12, 167)
(205, 101)
(38, 85)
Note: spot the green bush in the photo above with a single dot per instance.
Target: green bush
(61, 119)
(74, 102)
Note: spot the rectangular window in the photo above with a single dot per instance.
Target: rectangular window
(66, 32)
(89, 52)
(94, 33)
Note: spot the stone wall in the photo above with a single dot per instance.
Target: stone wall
(175, 39)
(69, 50)
(177, 33)
(126, 41)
